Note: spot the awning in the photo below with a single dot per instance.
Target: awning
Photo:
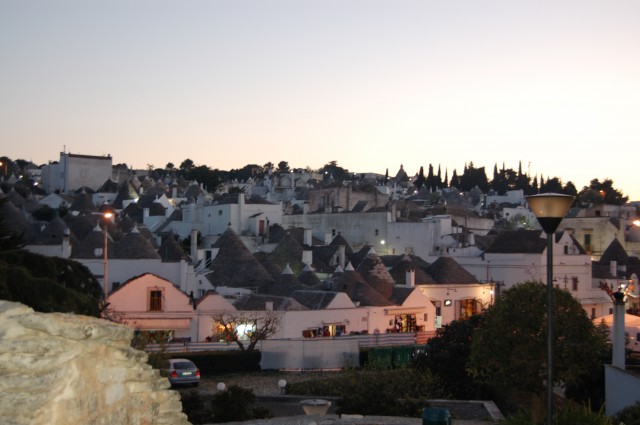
(160, 324)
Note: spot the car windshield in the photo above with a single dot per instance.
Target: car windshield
(184, 365)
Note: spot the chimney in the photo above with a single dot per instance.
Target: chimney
(341, 255)
(307, 256)
(145, 213)
(194, 245)
(307, 238)
(268, 305)
(66, 244)
(613, 268)
(305, 208)
(174, 191)
(619, 340)
(411, 277)
(472, 239)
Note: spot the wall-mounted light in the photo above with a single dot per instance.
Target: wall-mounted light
(447, 303)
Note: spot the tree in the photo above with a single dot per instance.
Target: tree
(49, 284)
(599, 193)
(283, 167)
(9, 238)
(332, 169)
(247, 328)
(447, 354)
(186, 165)
(420, 180)
(508, 350)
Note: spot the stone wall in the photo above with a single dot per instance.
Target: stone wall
(69, 369)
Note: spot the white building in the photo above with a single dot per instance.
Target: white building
(75, 171)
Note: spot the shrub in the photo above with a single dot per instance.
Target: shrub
(196, 407)
(236, 404)
(399, 392)
(569, 414)
(629, 415)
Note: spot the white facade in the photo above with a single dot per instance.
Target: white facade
(357, 228)
(424, 239)
(214, 219)
(571, 272)
(75, 171)
(511, 197)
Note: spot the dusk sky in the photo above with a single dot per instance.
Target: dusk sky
(370, 84)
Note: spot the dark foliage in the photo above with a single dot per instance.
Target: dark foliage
(446, 356)
(196, 406)
(399, 392)
(236, 404)
(49, 284)
(221, 362)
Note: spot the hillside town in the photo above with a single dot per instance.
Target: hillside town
(330, 255)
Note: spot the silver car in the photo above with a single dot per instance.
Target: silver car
(183, 372)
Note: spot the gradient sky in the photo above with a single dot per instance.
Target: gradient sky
(370, 84)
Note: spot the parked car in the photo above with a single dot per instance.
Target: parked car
(182, 372)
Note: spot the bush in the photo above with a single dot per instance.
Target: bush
(399, 392)
(629, 415)
(196, 407)
(222, 362)
(236, 404)
(569, 414)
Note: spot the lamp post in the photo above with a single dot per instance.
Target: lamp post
(549, 209)
(107, 216)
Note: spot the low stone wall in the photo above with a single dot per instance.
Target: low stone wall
(70, 369)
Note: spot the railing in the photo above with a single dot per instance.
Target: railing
(364, 341)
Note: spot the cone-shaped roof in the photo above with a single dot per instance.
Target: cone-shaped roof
(170, 250)
(235, 266)
(53, 233)
(92, 245)
(288, 251)
(308, 277)
(354, 285)
(614, 252)
(407, 262)
(339, 240)
(284, 285)
(135, 246)
(445, 270)
(83, 202)
(375, 274)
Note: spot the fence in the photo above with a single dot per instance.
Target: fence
(364, 341)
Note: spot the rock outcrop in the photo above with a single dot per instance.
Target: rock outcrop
(69, 369)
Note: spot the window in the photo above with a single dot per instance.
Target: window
(333, 232)
(587, 242)
(377, 232)
(155, 300)
(219, 212)
(593, 312)
(574, 283)
(438, 307)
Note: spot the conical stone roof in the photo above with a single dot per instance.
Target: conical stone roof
(235, 266)
(375, 274)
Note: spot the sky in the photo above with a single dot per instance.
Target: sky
(552, 85)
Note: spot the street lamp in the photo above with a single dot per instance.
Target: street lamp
(107, 216)
(549, 209)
